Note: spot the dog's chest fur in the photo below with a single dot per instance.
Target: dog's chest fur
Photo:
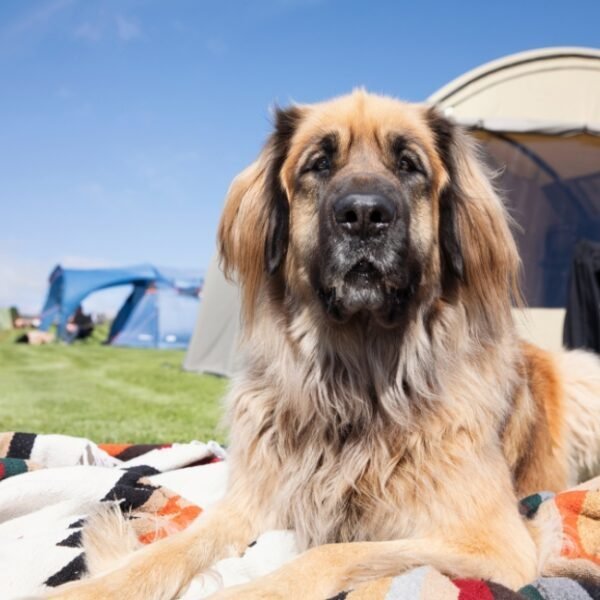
(371, 477)
(356, 440)
(365, 489)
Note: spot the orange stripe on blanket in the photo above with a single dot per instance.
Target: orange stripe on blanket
(114, 449)
(575, 521)
(179, 518)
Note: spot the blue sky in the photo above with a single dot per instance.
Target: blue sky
(123, 122)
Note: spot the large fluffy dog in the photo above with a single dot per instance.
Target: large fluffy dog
(386, 404)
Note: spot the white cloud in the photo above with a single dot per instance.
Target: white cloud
(127, 29)
(90, 32)
(91, 23)
(104, 25)
(38, 17)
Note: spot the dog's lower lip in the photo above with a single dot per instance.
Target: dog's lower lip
(363, 267)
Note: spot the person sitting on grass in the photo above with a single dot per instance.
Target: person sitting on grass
(80, 325)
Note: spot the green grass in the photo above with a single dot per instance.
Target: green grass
(106, 394)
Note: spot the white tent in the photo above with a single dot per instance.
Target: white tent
(552, 90)
(213, 347)
(537, 115)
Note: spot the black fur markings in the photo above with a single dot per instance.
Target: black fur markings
(278, 229)
(329, 145)
(451, 255)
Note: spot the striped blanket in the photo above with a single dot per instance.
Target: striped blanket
(50, 483)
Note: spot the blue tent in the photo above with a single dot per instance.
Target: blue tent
(165, 295)
(155, 316)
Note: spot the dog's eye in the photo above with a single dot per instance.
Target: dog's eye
(322, 164)
(407, 164)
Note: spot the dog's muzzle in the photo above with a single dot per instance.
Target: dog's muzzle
(364, 250)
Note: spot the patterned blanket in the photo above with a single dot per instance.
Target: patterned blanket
(49, 483)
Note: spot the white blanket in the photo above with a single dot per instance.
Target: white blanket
(42, 510)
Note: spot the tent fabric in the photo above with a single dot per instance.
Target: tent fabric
(550, 85)
(541, 326)
(552, 190)
(165, 319)
(126, 309)
(537, 117)
(530, 126)
(214, 345)
(157, 317)
(69, 287)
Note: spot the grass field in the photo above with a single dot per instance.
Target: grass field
(106, 394)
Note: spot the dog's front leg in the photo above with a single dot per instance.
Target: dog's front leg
(162, 570)
(325, 571)
(318, 573)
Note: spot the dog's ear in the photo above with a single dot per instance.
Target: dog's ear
(254, 229)
(278, 229)
(478, 254)
(451, 253)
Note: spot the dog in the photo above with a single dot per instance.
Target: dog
(387, 411)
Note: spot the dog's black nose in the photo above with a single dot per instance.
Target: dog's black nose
(364, 214)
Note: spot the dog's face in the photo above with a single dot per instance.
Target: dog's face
(362, 176)
(354, 204)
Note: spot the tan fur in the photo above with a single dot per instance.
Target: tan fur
(535, 436)
(241, 244)
(356, 435)
(546, 389)
(108, 538)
